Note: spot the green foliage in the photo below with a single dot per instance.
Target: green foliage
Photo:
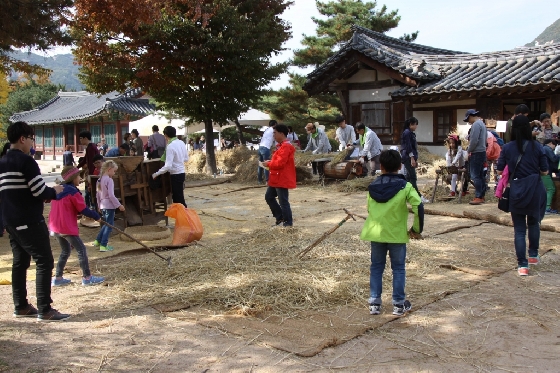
(207, 70)
(336, 29)
(551, 33)
(26, 97)
(31, 24)
(293, 106)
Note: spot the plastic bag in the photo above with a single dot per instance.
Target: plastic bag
(188, 227)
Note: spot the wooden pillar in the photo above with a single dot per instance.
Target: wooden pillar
(53, 143)
(43, 142)
(344, 97)
(555, 108)
(76, 138)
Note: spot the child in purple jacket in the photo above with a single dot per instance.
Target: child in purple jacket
(107, 203)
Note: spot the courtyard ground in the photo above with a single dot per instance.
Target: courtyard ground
(471, 312)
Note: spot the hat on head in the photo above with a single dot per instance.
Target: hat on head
(69, 173)
(469, 113)
(454, 137)
(339, 118)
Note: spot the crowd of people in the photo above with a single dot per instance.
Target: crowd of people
(23, 193)
(523, 163)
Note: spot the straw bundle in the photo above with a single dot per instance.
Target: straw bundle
(424, 155)
(247, 172)
(196, 163)
(228, 160)
(359, 184)
(302, 159)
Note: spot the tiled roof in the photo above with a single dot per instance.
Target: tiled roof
(442, 71)
(520, 67)
(73, 106)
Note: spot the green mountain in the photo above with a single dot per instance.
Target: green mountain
(64, 71)
(551, 33)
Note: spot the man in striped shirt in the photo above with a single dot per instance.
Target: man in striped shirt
(22, 191)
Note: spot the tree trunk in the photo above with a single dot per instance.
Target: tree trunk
(240, 133)
(210, 152)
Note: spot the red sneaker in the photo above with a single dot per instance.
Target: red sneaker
(452, 194)
(523, 271)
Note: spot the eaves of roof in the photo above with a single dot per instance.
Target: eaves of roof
(76, 106)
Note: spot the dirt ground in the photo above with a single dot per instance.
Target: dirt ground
(493, 321)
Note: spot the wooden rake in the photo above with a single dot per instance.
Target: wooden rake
(168, 260)
(349, 215)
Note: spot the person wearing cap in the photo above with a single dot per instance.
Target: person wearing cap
(345, 134)
(118, 152)
(23, 193)
(318, 142)
(547, 129)
(549, 146)
(477, 150)
(526, 162)
(370, 147)
(137, 143)
(64, 227)
(264, 151)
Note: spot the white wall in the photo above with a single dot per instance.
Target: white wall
(367, 95)
(363, 76)
(425, 130)
(462, 127)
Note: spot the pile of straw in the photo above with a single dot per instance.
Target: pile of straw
(259, 272)
(359, 184)
(196, 162)
(424, 156)
(247, 172)
(228, 160)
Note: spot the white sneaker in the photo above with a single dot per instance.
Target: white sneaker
(424, 200)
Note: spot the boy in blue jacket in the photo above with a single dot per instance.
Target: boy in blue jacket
(386, 228)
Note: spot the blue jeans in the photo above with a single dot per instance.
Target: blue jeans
(476, 164)
(264, 155)
(281, 211)
(397, 253)
(411, 175)
(520, 224)
(103, 236)
(66, 244)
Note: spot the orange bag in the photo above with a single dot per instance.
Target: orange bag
(188, 227)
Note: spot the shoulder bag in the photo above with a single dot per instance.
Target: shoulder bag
(503, 203)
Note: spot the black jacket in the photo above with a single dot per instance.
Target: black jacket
(22, 190)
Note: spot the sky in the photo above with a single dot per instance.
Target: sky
(472, 26)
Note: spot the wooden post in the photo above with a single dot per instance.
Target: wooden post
(438, 172)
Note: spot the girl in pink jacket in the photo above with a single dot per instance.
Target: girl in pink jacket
(64, 226)
(107, 203)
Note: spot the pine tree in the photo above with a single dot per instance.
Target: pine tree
(336, 29)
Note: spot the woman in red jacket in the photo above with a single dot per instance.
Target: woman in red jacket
(281, 178)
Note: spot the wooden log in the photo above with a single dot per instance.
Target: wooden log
(441, 213)
(503, 220)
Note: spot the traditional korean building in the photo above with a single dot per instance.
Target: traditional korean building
(381, 81)
(59, 121)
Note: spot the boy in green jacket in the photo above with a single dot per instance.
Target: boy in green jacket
(386, 228)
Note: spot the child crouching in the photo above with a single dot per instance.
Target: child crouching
(107, 202)
(386, 228)
(63, 225)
